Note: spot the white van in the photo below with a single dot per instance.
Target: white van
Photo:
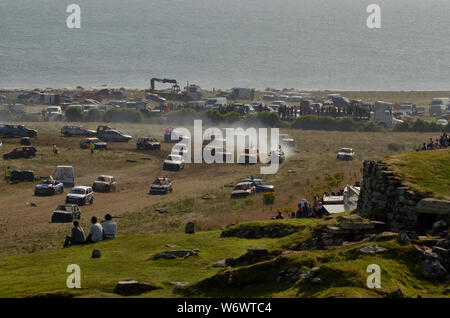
(216, 102)
(65, 175)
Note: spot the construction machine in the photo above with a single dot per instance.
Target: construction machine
(191, 92)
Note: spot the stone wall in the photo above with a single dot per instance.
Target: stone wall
(384, 193)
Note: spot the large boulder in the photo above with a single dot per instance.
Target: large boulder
(432, 268)
(132, 287)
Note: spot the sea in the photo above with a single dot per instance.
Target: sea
(304, 44)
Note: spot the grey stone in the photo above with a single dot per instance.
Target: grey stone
(96, 253)
(434, 206)
(190, 228)
(433, 269)
(403, 239)
(178, 286)
(174, 254)
(373, 249)
(220, 263)
(132, 287)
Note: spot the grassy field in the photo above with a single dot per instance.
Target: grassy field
(342, 269)
(425, 171)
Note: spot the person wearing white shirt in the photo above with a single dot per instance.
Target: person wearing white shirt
(109, 227)
(95, 231)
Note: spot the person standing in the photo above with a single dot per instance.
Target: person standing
(92, 147)
(7, 174)
(55, 150)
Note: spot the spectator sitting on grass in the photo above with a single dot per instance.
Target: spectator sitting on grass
(279, 216)
(77, 236)
(95, 231)
(109, 227)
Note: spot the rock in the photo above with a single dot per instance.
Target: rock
(439, 226)
(292, 270)
(337, 230)
(162, 210)
(196, 250)
(291, 171)
(190, 228)
(132, 287)
(396, 294)
(386, 236)
(373, 249)
(316, 280)
(96, 253)
(230, 261)
(220, 263)
(403, 239)
(208, 197)
(433, 269)
(258, 252)
(178, 286)
(174, 254)
(433, 206)
(357, 225)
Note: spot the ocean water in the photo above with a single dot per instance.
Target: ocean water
(308, 44)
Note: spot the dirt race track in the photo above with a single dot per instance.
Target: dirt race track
(21, 223)
(27, 228)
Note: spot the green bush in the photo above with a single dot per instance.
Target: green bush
(311, 122)
(118, 115)
(420, 125)
(269, 198)
(93, 115)
(74, 114)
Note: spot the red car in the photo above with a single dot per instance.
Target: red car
(243, 189)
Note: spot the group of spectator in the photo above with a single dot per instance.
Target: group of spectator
(107, 229)
(439, 143)
(305, 210)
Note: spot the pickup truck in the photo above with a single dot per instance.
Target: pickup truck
(16, 131)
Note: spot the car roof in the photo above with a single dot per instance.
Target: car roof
(81, 187)
(246, 182)
(175, 156)
(105, 176)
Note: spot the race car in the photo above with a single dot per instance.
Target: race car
(49, 187)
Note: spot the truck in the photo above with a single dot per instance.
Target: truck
(439, 106)
(383, 115)
(16, 131)
(216, 103)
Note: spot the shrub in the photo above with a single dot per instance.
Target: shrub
(93, 115)
(123, 115)
(5, 114)
(269, 198)
(311, 122)
(74, 114)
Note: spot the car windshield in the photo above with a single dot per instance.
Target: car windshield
(61, 208)
(78, 191)
(243, 186)
(102, 179)
(346, 150)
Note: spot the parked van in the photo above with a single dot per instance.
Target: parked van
(216, 103)
(439, 106)
(65, 175)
